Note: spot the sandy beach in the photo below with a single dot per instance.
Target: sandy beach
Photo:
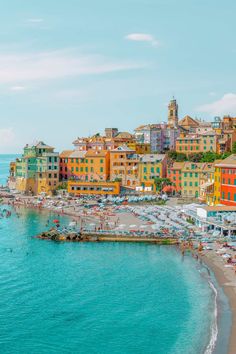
(226, 279)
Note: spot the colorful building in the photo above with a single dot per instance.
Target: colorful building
(110, 141)
(63, 166)
(140, 148)
(227, 172)
(37, 171)
(77, 188)
(124, 166)
(174, 173)
(151, 166)
(195, 143)
(190, 179)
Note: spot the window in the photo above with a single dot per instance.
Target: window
(101, 169)
(72, 160)
(101, 161)
(228, 195)
(190, 183)
(185, 184)
(235, 182)
(55, 175)
(235, 197)
(196, 184)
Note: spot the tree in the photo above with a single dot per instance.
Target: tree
(161, 182)
(195, 157)
(234, 148)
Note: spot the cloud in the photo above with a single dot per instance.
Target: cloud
(35, 20)
(225, 105)
(7, 137)
(143, 37)
(17, 88)
(56, 65)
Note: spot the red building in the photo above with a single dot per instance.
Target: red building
(174, 174)
(64, 171)
(228, 181)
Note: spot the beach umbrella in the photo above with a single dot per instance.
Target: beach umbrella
(56, 221)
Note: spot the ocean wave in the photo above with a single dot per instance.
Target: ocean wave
(214, 327)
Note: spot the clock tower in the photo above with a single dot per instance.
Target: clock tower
(173, 118)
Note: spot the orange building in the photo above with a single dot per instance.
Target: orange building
(98, 188)
(92, 165)
(174, 174)
(228, 180)
(64, 173)
(124, 166)
(76, 162)
(97, 165)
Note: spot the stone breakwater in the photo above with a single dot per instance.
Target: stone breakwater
(55, 235)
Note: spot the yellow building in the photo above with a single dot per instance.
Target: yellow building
(195, 143)
(151, 166)
(140, 148)
(191, 179)
(206, 181)
(77, 188)
(213, 196)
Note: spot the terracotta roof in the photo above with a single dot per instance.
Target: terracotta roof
(228, 162)
(152, 157)
(197, 166)
(123, 135)
(187, 120)
(65, 153)
(96, 153)
(177, 165)
(77, 154)
(124, 148)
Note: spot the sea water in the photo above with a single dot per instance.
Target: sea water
(97, 297)
(5, 167)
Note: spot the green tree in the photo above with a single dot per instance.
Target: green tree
(160, 183)
(234, 148)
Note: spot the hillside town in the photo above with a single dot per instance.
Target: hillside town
(188, 158)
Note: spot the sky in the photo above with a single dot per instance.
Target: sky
(71, 68)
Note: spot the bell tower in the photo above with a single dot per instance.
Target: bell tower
(173, 118)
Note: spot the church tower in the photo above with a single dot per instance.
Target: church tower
(173, 117)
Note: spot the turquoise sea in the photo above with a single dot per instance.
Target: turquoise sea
(98, 298)
(4, 167)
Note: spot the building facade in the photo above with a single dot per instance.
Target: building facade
(37, 171)
(124, 166)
